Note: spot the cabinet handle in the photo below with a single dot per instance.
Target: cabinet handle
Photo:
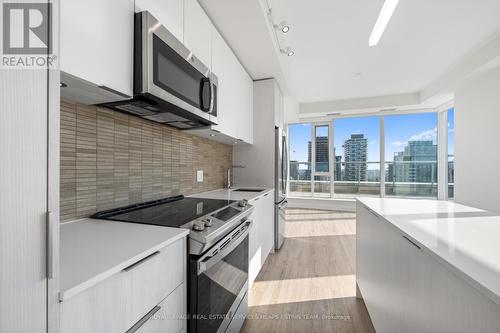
(412, 242)
(50, 246)
(372, 212)
(142, 261)
(144, 319)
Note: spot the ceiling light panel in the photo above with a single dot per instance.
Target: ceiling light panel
(382, 21)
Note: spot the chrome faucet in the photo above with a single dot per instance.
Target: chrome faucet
(230, 175)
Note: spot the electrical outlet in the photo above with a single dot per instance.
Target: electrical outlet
(199, 176)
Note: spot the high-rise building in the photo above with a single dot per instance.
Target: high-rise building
(410, 165)
(294, 170)
(356, 155)
(321, 153)
(337, 170)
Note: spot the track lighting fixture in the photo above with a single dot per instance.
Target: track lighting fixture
(288, 51)
(283, 27)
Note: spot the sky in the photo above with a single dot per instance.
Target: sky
(399, 129)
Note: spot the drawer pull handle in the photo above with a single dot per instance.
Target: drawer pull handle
(144, 319)
(143, 260)
(412, 242)
(373, 213)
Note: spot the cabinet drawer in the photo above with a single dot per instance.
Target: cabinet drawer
(117, 303)
(154, 279)
(168, 316)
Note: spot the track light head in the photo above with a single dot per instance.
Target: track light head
(283, 27)
(288, 51)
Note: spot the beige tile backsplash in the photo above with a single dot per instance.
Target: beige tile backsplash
(110, 159)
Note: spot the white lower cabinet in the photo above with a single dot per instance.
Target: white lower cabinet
(168, 316)
(261, 240)
(119, 302)
(405, 289)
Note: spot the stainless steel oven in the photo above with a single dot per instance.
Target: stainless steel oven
(171, 85)
(218, 284)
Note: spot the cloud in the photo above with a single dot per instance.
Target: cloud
(372, 142)
(424, 135)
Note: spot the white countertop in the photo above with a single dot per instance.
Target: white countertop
(230, 194)
(92, 250)
(465, 239)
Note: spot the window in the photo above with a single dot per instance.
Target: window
(451, 153)
(342, 159)
(411, 155)
(300, 160)
(322, 177)
(357, 156)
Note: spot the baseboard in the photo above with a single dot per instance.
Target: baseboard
(346, 205)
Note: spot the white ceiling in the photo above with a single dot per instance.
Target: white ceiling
(244, 26)
(424, 39)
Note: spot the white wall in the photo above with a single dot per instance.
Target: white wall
(258, 159)
(477, 141)
(291, 110)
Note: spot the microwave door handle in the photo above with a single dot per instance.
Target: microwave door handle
(212, 95)
(205, 106)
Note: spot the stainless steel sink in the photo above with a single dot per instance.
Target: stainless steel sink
(249, 190)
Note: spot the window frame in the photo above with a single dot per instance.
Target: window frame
(315, 173)
(442, 146)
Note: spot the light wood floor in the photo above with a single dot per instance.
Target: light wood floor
(309, 285)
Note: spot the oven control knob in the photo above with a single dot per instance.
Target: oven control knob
(243, 203)
(209, 221)
(198, 225)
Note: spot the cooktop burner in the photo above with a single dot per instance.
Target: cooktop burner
(169, 212)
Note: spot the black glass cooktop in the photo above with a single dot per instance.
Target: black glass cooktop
(169, 212)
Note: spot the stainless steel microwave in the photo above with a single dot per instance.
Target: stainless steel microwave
(171, 85)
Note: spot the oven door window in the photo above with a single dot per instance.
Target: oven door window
(173, 73)
(219, 286)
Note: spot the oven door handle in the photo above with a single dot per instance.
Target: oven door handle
(207, 262)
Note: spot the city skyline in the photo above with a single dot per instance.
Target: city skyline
(399, 131)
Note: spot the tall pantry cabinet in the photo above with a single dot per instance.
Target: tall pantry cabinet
(29, 182)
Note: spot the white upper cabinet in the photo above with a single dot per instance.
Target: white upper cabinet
(198, 32)
(235, 92)
(223, 62)
(97, 42)
(169, 12)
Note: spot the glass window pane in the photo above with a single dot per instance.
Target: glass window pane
(451, 153)
(322, 187)
(321, 140)
(411, 155)
(300, 161)
(357, 156)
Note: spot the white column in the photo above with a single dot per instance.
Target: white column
(382, 156)
(442, 154)
(331, 159)
(313, 156)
